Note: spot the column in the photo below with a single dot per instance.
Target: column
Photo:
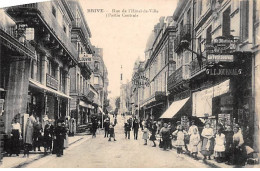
(58, 77)
(67, 84)
(44, 70)
(17, 94)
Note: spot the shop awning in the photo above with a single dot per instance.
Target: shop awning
(40, 86)
(83, 104)
(174, 108)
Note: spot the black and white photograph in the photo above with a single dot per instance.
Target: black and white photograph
(129, 84)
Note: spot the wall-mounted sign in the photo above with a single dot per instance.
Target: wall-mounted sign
(223, 71)
(220, 58)
(51, 82)
(222, 44)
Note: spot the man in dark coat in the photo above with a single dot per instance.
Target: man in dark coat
(106, 126)
(135, 128)
(60, 135)
(127, 129)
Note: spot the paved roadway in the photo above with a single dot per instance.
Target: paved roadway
(100, 153)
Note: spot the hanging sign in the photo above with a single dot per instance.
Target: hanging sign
(140, 80)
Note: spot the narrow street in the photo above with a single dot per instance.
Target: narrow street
(123, 153)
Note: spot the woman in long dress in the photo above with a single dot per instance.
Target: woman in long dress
(29, 135)
(165, 134)
(207, 141)
(15, 136)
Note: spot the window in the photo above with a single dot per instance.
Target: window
(78, 82)
(39, 68)
(226, 23)
(208, 36)
(244, 15)
(53, 69)
(96, 80)
(32, 69)
(64, 29)
(188, 17)
(199, 8)
(54, 11)
(96, 65)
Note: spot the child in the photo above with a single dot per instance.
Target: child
(111, 132)
(145, 135)
(180, 133)
(220, 146)
(194, 141)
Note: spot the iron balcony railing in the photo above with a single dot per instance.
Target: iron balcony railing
(182, 73)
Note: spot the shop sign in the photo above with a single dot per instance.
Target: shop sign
(140, 80)
(51, 82)
(222, 44)
(220, 58)
(223, 71)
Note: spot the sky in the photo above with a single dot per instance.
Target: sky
(123, 39)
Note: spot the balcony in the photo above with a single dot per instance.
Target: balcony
(181, 74)
(37, 16)
(9, 38)
(185, 34)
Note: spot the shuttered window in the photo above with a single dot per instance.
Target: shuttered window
(244, 15)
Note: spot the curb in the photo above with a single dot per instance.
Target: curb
(39, 157)
(204, 161)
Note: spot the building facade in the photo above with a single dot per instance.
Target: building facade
(157, 66)
(220, 46)
(47, 64)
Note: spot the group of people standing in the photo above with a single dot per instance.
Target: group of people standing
(226, 145)
(48, 134)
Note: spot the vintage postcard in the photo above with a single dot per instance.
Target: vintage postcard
(129, 84)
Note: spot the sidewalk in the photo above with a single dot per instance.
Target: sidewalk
(18, 161)
(214, 163)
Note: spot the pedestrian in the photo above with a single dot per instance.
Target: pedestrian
(141, 124)
(37, 138)
(106, 126)
(191, 131)
(165, 135)
(15, 138)
(112, 132)
(145, 135)
(219, 146)
(153, 131)
(180, 134)
(135, 128)
(207, 141)
(60, 135)
(229, 145)
(72, 127)
(170, 130)
(47, 137)
(127, 129)
(28, 142)
(66, 139)
(194, 142)
(94, 127)
(239, 152)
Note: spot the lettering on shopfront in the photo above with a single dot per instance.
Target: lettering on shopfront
(51, 82)
(223, 71)
(220, 58)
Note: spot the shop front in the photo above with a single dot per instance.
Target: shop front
(46, 102)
